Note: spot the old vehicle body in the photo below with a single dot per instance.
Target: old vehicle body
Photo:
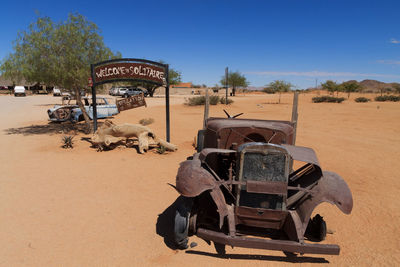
(60, 113)
(248, 179)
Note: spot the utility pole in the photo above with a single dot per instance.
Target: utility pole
(226, 86)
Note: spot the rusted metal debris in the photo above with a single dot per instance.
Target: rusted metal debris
(242, 182)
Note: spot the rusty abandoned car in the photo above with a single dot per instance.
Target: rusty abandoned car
(248, 185)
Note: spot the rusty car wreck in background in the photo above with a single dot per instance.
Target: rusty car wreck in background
(248, 185)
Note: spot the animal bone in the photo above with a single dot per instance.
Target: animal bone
(110, 133)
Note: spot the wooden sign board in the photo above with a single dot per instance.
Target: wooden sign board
(129, 70)
(131, 102)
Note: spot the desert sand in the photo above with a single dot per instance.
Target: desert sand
(79, 207)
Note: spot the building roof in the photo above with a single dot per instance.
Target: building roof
(183, 85)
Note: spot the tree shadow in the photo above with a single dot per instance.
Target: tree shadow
(165, 224)
(50, 129)
(292, 259)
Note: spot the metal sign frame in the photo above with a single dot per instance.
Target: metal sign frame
(143, 62)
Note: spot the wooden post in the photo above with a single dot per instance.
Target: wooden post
(167, 120)
(206, 109)
(226, 85)
(295, 115)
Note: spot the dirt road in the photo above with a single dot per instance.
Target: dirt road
(80, 207)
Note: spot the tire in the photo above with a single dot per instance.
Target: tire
(316, 229)
(181, 224)
(200, 140)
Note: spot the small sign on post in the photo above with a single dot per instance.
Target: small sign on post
(90, 82)
(131, 102)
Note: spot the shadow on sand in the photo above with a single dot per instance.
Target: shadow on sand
(50, 128)
(292, 259)
(165, 229)
(165, 224)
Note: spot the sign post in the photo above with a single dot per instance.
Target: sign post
(167, 118)
(130, 69)
(226, 86)
(94, 104)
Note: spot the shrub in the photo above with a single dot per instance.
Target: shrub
(384, 98)
(195, 101)
(362, 99)
(68, 141)
(146, 121)
(161, 150)
(269, 90)
(201, 100)
(329, 99)
(214, 99)
(222, 100)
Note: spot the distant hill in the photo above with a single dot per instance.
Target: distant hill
(371, 86)
(375, 86)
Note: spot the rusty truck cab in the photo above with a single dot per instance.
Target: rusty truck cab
(229, 133)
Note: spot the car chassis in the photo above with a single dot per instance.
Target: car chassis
(249, 186)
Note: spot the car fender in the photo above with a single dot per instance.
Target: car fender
(192, 180)
(331, 188)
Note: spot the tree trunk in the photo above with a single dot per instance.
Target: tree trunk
(150, 89)
(233, 90)
(82, 107)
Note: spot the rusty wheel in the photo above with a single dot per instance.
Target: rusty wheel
(63, 113)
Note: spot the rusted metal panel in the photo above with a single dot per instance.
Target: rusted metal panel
(192, 179)
(129, 70)
(223, 132)
(260, 217)
(266, 187)
(208, 151)
(258, 243)
(293, 227)
(331, 188)
(131, 102)
(304, 154)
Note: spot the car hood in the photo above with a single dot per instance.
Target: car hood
(61, 106)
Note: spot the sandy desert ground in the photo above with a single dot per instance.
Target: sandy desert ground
(80, 207)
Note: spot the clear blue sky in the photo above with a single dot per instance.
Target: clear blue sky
(298, 41)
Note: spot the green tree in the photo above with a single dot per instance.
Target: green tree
(58, 54)
(350, 87)
(174, 78)
(278, 86)
(235, 79)
(331, 87)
